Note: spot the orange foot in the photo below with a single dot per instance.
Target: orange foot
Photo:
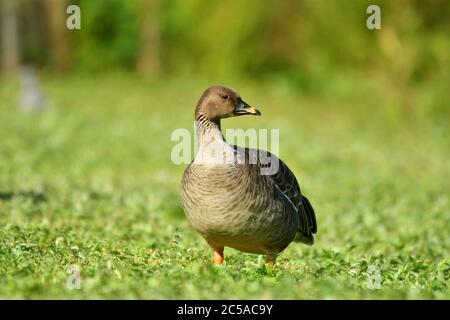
(270, 260)
(218, 256)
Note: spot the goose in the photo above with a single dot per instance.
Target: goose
(229, 199)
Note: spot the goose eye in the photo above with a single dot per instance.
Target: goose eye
(225, 96)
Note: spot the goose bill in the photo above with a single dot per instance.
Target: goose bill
(243, 108)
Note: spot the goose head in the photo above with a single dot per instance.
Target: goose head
(219, 102)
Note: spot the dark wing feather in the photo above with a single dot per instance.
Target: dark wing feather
(286, 182)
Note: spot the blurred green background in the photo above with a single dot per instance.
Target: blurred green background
(85, 172)
(312, 47)
(298, 42)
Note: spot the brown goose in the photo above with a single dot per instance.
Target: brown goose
(226, 197)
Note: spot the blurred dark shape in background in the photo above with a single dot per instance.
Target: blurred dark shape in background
(9, 38)
(32, 99)
(302, 43)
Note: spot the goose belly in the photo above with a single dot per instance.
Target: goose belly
(229, 216)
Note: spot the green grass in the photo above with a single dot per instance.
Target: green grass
(90, 183)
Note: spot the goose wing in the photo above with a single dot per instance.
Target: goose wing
(285, 181)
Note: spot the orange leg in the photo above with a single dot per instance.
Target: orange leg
(218, 256)
(270, 259)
